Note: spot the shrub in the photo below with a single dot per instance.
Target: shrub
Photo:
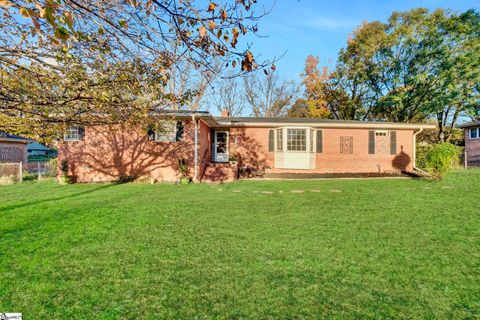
(29, 176)
(183, 167)
(64, 167)
(51, 167)
(440, 158)
(421, 157)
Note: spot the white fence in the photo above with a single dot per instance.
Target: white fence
(42, 169)
(18, 172)
(11, 172)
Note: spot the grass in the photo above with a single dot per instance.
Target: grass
(376, 249)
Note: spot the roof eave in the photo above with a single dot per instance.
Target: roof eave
(14, 140)
(468, 125)
(360, 125)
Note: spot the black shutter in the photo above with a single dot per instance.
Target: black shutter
(319, 141)
(81, 132)
(371, 142)
(151, 133)
(393, 142)
(271, 141)
(180, 130)
(212, 143)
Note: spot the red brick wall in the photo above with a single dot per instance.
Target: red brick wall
(107, 153)
(204, 148)
(472, 147)
(331, 160)
(13, 152)
(252, 146)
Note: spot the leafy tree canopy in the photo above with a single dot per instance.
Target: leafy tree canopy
(85, 61)
(418, 65)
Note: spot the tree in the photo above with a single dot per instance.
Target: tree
(338, 94)
(416, 65)
(299, 109)
(316, 89)
(353, 97)
(79, 61)
(227, 94)
(267, 95)
(187, 86)
(459, 87)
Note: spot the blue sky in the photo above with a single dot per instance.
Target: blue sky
(321, 27)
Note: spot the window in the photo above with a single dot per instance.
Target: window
(475, 133)
(296, 140)
(166, 131)
(381, 133)
(311, 139)
(279, 140)
(73, 133)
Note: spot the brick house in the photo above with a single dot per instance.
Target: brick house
(218, 148)
(472, 142)
(13, 148)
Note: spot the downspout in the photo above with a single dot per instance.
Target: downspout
(195, 149)
(415, 153)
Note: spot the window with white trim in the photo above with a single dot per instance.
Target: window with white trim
(475, 133)
(296, 140)
(279, 140)
(73, 133)
(166, 131)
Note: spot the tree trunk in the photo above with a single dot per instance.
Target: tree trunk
(452, 125)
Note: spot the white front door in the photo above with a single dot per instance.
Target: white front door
(221, 146)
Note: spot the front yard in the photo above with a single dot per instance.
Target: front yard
(293, 249)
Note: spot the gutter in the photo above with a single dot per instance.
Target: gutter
(415, 153)
(347, 125)
(15, 140)
(195, 149)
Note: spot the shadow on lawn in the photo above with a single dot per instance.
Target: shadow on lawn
(70, 196)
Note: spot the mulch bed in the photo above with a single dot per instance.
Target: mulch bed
(335, 175)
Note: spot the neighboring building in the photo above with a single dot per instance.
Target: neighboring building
(36, 149)
(472, 142)
(13, 148)
(209, 144)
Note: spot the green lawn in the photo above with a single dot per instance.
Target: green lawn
(377, 249)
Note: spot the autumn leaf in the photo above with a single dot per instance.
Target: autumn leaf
(211, 7)
(249, 56)
(202, 31)
(248, 61)
(24, 12)
(235, 32)
(5, 4)
(36, 25)
(42, 12)
(212, 25)
(224, 15)
(274, 67)
(68, 19)
(123, 23)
